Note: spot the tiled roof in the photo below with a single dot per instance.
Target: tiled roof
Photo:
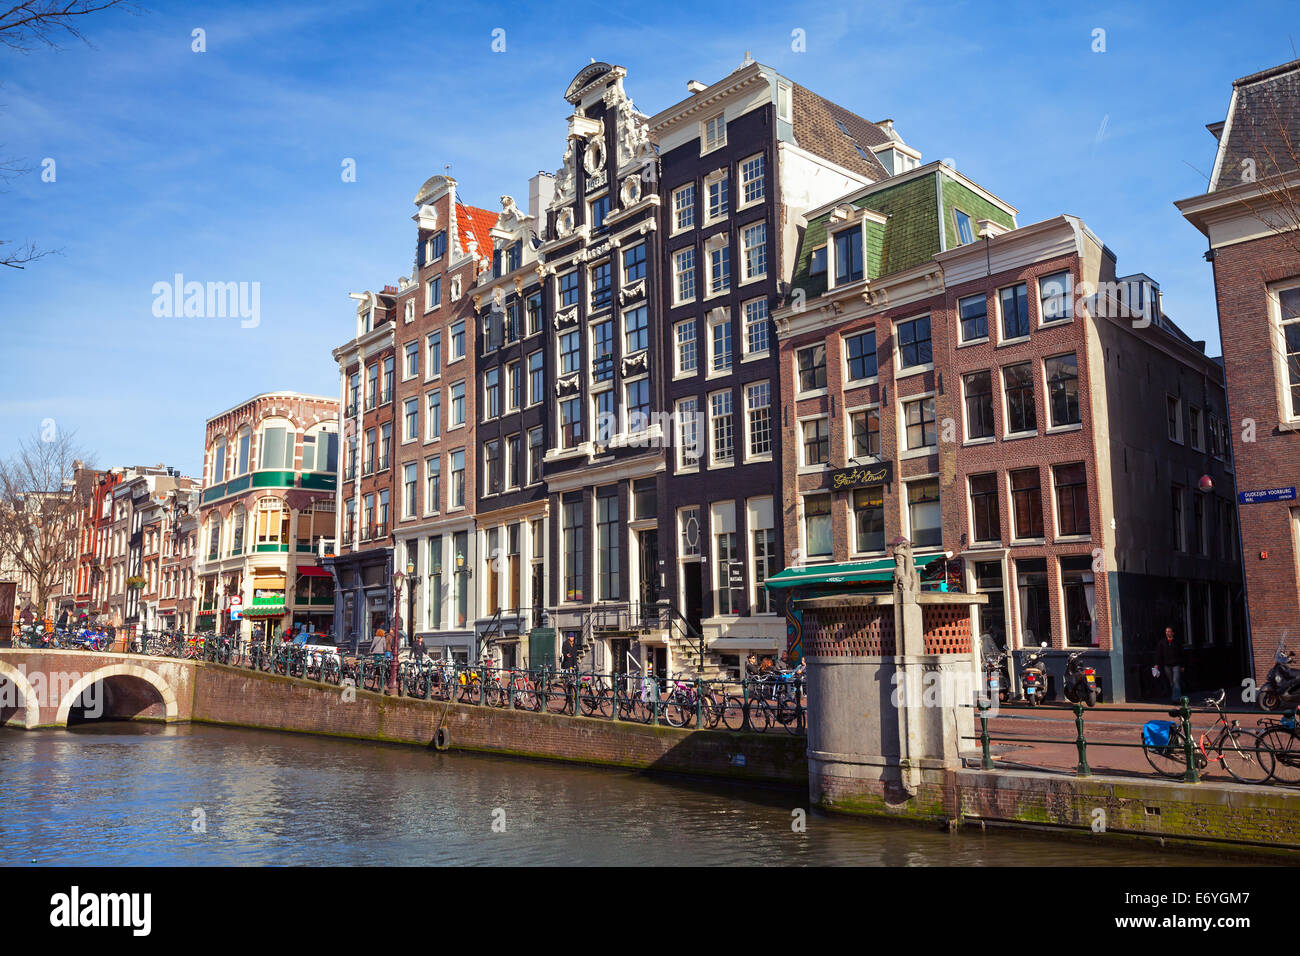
(815, 130)
(476, 224)
(1264, 126)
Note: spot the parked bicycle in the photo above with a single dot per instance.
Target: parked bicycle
(1236, 750)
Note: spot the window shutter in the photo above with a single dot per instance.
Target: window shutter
(419, 253)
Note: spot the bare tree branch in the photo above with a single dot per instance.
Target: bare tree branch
(44, 23)
(23, 254)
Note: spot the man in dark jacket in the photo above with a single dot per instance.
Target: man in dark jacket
(569, 654)
(1169, 663)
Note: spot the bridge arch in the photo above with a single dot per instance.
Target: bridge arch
(126, 673)
(31, 706)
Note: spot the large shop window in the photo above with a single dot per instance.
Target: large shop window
(1080, 601)
(1035, 607)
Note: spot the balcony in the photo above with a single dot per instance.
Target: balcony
(386, 396)
(383, 463)
(379, 531)
(368, 467)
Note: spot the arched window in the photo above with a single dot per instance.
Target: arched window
(277, 445)
(218, 473)
(272, 523)
(243, 444)
(320, 449)
(214, 538)
(238, 519)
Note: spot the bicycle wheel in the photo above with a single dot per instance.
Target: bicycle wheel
(1168, 761)
(787, 715)
(760, 716)
(676, 713)
(1283, 745)
(1242, 756)
(733, 713)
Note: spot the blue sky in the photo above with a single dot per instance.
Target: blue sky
(225, 165)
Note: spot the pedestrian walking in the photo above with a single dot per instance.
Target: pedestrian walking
(569, 654)
(379, 644)
(1169, 664)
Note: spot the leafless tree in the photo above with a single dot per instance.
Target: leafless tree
(42, 499)
(1270, 138)
(25, 27)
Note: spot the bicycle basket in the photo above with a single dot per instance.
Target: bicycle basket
(1155, 733)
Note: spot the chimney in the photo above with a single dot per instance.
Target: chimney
(541, 190)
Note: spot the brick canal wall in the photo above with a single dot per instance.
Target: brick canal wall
(241, 698)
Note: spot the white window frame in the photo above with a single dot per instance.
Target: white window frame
(706, 144)
(771, 423)
(678, 210)
(1043, 321)
(746, 249)
(743, 182)
(1288, 408)
(678, 272)
(745, 323)
(694, 325)
(714, 461)
(800, 422)
(717, 317)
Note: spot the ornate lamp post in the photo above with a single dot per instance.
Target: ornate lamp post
(398, 578)
(411, 582)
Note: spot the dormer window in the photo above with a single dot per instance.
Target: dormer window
(715, 133)
(817, 262)
(965, 232)
(848, 255)
(783, 107)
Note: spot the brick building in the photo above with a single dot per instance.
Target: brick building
(266, 513)
(1001, 393)
(1251, 216)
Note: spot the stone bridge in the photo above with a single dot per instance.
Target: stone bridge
(47, 688)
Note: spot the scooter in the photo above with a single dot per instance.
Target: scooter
(1034, 677)
(1080, 680)
(1282, 684)
(996, 682)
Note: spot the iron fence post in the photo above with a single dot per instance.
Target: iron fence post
(1185, 712)
(699, 705)
(744, 696)
(1083, 769)
(986, 759)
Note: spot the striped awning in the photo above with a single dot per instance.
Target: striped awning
(264, 610)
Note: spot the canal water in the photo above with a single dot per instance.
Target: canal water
(139, 794)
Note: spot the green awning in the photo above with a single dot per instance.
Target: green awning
(264, 610)
(880, 571)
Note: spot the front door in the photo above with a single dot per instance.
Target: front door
(692, 593)
(648, 542)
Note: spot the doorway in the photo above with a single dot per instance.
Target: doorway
(692, 593)
(648, 549)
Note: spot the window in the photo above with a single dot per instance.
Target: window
(869, 518)
(687, 357)
(1018, 383)
(458, 340)
(437, 245)
(1035, 604)
(1174, 418)
(720, 270)
(1054, 297)
(243, 444)
(599, 210)
(433, 348)
(433, 416)
(634, 263)
(974, 313)
(533, 307)
(1288, 349)
(636, 331)
(570, 422)
(536, 451)
(811, 363)
(491, 393)
(536, 379)
(688, 433)
(432, 484)
(684, 207)
(817, 261)
(783, 106)
(751, 179)
(719, 196)
(458, 478)
(1194, 428)
(1063, 389)
(570, 352)
(724, 557)
(720, 343)
(1079, 591)
(817, 526)
(758, 412)
(491, 467)
(638, 405)
(277, 447)
(763, 553)
(385, 444)
(411, 366)
(925, 520)
(965, 233)
(978, 389)
(608, 585)
(433, 293)
(1026, 503)
(601, 277)
(914, 349)
(573, 549)
(1015, 312)
(757, 324)
(816, 441)
(514, 465)
(860, 351)
(919, 417)
(985, 522)
(848, 255)
(864, 427)
(386, 395)
(411, 419)
(569, 289)
(372, 386)
(513, 328)
(715, 133)
(1177, 522)
(684, 274)
(458, 404)
(721, 428)
(515, 393)
(409, 479)
(219, 461)
(1198, 523)
(753, 244)
(491, 334)
(1071, 499)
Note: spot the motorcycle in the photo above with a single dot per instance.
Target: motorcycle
(1033, 676)
(1080, 680)
(996, 680)
(1282, 684)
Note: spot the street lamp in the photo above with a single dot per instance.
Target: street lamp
(398, 577)
(411, 581)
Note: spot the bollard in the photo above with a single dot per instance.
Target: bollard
(1083, 769)
(1185, 713)
(986, 760)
